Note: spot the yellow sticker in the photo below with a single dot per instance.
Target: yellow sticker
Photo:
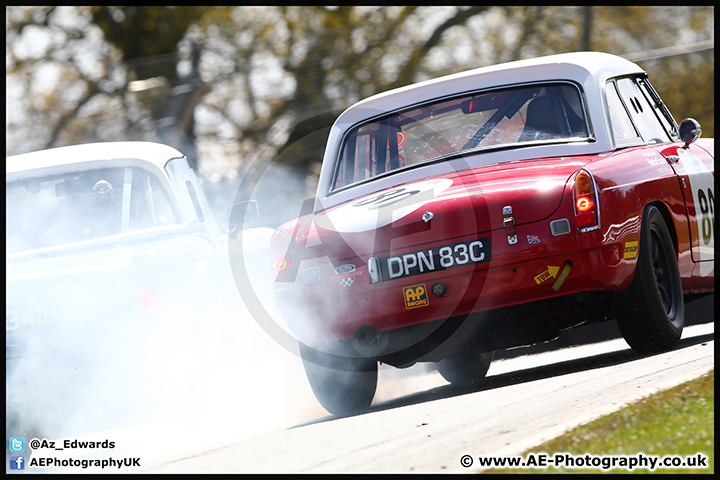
(631, 249)
(551, 272)
(415, 296)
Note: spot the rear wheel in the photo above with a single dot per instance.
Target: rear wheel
(651, 312)
(342, 385)
(465, 368)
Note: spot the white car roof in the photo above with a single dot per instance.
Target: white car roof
(575, 66)
(590, 70)
(154, 153)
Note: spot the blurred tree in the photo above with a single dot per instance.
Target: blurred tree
(63, 84)
(280, 75)
(325, 59)
(147, 38)
(684, 80)
(140, 32)
(141, 41)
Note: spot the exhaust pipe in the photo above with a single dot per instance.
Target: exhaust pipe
(369, 343)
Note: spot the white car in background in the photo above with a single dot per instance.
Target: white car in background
(106, 243)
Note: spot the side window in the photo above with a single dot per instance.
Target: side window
(660, 109)
(190, 195)
(622, 127)
(149, 203)
(195, 202)
(642, 112)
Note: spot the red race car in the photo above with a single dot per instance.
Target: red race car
(491, 209)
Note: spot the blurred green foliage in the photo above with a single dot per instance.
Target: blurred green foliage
(679, 421)
(273, 75)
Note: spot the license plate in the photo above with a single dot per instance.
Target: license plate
(432, 259)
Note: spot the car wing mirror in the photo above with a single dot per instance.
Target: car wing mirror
(689, 131)
(243, 214)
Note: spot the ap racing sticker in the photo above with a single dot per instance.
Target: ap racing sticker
(380, 209)
(415, 296)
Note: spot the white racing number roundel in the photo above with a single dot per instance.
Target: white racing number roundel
(702, 183)
(380, 209)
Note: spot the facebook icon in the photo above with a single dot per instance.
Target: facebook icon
(17, 462)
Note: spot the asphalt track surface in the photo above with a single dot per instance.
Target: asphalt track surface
(526, 400)
(247, 418)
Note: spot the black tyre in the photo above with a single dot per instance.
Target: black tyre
(466, 368)
(651, 312)
(342, 385)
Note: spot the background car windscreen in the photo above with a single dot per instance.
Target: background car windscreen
(83, 205)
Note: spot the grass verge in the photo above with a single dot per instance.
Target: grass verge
(676, 422)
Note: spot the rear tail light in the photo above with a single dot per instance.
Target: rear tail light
(141, 285)
(281, 257)
(147, 301)
(587, 212)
